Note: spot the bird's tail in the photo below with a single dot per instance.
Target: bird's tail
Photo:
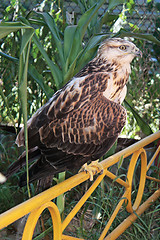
(36, 171)
(33, 154)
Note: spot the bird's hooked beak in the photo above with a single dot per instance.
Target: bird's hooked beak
(137, 52)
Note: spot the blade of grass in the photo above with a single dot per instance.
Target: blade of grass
(43, 234)
(22, 77)
(60, 199)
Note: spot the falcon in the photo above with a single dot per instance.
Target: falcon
(82, 120)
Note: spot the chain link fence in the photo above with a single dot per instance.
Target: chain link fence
(142, 14)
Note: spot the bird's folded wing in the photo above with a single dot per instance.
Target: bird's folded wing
(72, 96)
(86, 129)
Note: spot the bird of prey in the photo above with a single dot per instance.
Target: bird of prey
(82, 120)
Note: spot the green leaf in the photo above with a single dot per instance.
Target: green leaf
(81, 29)
(13, 59)
(56, 73)
(83, 23)
(61, 198)
(7, 28)
(113, 3)
(107, 18)
(49, 20)
(68, 39)
(120, 162)
(143, 36)
(71, 71)
(40, 81)
(22, 78)
(140, 121)
(89, 51)
(86, 19)
(111, 151)
(27, 36)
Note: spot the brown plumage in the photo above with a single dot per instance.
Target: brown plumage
(82, 120)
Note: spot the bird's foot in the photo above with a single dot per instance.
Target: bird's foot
(92, 168)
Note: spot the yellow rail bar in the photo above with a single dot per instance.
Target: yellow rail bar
(37, 204)
(129, 150)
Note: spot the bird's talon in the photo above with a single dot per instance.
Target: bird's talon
(92, 168)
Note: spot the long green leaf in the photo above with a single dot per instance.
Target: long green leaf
(7, 28)
(56, 73)
(80, 31)
(40, 81)
(71, 71)
(84, 56)
(22, 77)
(27, 36)
(81, 4)
(140, 121)
(89, 51)
(143, 36)
(61, 198)
(68, 39)
(13, 59)
(113, 3)
(107, 18)
(86, 19)
(49, 20)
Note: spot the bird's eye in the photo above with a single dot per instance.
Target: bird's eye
(123, 47)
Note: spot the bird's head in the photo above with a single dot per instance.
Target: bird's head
(118, 50)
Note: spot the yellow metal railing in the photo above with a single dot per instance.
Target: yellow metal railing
(36, 205)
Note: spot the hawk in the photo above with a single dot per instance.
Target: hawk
(82, 120)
